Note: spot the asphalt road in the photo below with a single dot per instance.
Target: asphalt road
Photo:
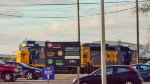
(59, 79)
(23, 81)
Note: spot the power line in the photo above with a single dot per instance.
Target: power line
(32, 10)
(13, 10)
(39, 4)
(11, 15)
(64, 10)
(68, 17)
(50, 17)
(120, 10)
(68, 4)
(120, 4)
(111, 12)
(117, 4)
(20, 16)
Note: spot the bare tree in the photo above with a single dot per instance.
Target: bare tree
(145, 6)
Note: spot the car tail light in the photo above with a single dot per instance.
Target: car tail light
(134, 70)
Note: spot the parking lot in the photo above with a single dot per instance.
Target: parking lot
(59, 79)
(23, 81)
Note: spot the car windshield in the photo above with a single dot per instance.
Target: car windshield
(1, 62)
(24, 65)
(96, 72)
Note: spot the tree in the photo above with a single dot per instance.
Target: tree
(145, 6)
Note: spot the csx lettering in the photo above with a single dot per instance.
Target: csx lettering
(111, 55)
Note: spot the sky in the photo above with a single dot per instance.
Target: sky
(21, 19)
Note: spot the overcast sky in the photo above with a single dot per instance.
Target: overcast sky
(20, 19)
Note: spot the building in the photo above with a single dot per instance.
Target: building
(143, 51)
(6, 57)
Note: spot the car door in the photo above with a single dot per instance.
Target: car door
(1, 66)
(110, 72)
(1, 70)
(97, 77)
(19, 65)
(121, 75)
(144, 70)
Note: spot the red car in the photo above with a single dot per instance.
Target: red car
(9, 73)
(116, 74)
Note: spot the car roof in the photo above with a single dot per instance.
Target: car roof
(115, 66)
(140, 64)
(12, 62)
(118, 66)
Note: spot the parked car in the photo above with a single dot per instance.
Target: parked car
(116, 74)
(9, 73)
(28, 72)
(147, 63)
(144, 70)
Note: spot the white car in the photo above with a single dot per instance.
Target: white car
(147, 63)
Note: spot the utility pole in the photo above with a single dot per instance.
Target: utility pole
(103, 56)
(148, 43)
(13, 56)
(137, 22)
(78, 15)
